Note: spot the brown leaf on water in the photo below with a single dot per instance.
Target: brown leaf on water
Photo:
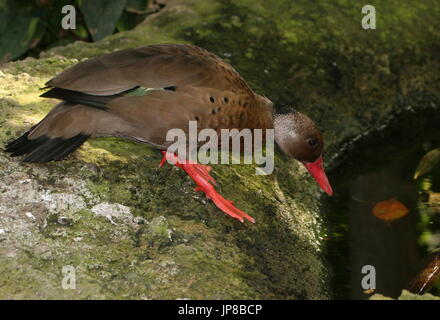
(390, 210)
(427, 163)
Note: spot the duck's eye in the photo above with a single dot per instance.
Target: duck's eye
(312, 142)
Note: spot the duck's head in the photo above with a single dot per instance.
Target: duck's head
(299, 138)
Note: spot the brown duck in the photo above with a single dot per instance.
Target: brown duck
(140, 94)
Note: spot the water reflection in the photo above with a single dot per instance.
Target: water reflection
(381, 169)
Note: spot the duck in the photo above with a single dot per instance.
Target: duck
(141, 93)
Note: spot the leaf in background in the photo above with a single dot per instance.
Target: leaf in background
(101, 16)
(390, 210)
(427, 163)
(429, 275)
(137, 6)
(20, 27)
(135, 12)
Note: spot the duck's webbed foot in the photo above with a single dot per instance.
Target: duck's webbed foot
(200, 174)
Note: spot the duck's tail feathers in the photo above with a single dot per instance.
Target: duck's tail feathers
(44, 148)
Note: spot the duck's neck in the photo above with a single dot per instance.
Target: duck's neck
(281, 127)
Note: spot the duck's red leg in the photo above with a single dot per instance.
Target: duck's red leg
(200, 174)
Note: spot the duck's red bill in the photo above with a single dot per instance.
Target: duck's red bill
(317, 171)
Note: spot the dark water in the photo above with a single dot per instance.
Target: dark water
(378, 168)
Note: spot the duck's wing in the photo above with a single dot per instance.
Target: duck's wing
(154, 66)
(148, 115)
(152, 115)
(142, 93)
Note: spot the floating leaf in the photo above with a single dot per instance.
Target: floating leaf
(390, 210)
(427, 163)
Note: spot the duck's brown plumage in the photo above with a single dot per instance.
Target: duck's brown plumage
(107, 96)
(153, 66)
(193, 84)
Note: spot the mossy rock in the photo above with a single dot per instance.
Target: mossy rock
(406, 295)
(133, 231)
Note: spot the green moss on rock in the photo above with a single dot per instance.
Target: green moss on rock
(160, 238)
(406, 295)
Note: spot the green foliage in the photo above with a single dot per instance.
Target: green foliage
(101, 16)
(134, 13)
(427, 163)
(42, 23)
(15, 39)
